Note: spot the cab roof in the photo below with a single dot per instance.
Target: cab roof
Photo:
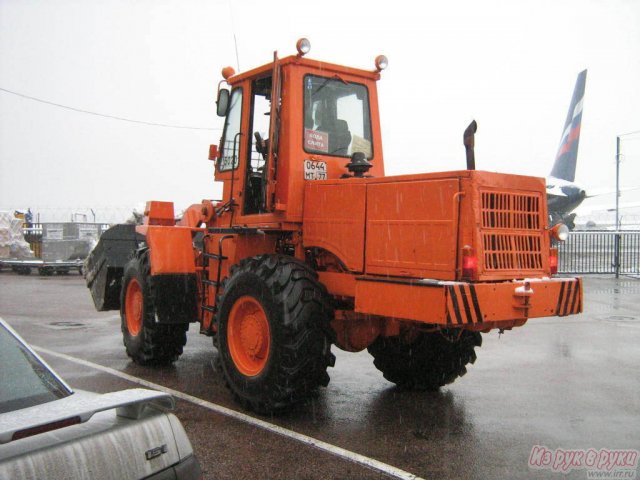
(304, 62)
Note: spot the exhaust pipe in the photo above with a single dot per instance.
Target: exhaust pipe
(469, 142)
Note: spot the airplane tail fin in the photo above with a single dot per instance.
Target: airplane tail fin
(565, 164)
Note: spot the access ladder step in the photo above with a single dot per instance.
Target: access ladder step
(208, 308)
(215, 256)
(213, 283)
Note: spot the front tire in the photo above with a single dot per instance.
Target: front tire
(431, 361)
(274, 336)
(146, 342)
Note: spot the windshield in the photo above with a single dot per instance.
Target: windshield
(24, 380)
(337, 120)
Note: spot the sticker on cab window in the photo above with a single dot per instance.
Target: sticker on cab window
(314, 170)
(315, 140)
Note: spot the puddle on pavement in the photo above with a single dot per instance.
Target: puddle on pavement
(620, 318)
(67, 324)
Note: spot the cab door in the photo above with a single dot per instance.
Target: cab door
(262, 158)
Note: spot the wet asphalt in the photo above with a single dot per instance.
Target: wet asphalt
(570, 383)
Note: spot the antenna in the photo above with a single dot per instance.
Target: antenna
(233, 30)
(235, 41)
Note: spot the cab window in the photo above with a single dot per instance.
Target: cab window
(337, 119)
(259, 145)
(230, 138)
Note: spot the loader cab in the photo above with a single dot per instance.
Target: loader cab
(288, 123)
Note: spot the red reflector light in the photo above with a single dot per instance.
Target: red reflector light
(553, 261)
(29, 432)
(469, 264)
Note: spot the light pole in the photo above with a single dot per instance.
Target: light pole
(618, 182)
(617, 237)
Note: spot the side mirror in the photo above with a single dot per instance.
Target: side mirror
(222, 102)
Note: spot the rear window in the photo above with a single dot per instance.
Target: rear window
(24, 380)
(337, 119)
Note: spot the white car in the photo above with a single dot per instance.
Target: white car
(48, 431)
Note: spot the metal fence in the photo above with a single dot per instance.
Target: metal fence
(604, 252)
(35, 233)
(601, 252)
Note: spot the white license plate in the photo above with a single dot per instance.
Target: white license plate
(314, 170)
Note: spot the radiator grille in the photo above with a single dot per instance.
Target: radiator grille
(512, 252)
(511, 231)
(508, 210)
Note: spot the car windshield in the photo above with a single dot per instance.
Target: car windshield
(337, 120)
(24, 380)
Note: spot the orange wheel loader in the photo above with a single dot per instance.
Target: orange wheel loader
(313, 246)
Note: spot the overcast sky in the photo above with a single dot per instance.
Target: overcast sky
(511, 65)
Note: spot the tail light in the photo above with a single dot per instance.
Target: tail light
(469, 263)
(553, 260)
(28, 432)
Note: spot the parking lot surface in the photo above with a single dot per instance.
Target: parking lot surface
(568, 383)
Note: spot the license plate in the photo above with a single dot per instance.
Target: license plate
(314, 170)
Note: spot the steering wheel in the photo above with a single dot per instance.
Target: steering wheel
(261, 144)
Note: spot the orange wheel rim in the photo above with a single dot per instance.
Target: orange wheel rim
(133, 307)
(248, 336)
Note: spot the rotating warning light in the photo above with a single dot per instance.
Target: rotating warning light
(228, 72)
(303, 46)
(381, 62)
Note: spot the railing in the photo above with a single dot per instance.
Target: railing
(601, 252)
(604, 252)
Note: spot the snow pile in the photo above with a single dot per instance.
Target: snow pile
(12, 244)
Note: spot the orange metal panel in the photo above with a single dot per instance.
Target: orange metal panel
(489, 302)
(464, 304)
(340, 284)
(412, 228)
(334, 220)
(401, 300)
(171, 250)
(159, 213)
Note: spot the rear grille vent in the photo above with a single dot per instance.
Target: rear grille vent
(508, 210)
(511, 232)
(511, 252)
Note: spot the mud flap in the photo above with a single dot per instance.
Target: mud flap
(175, 298)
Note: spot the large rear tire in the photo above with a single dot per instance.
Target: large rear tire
(146, 342)
(431, 361)
(274, 336)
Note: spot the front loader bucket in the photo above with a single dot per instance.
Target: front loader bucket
(104, 267)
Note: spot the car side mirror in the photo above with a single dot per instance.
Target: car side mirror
(222, 102)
